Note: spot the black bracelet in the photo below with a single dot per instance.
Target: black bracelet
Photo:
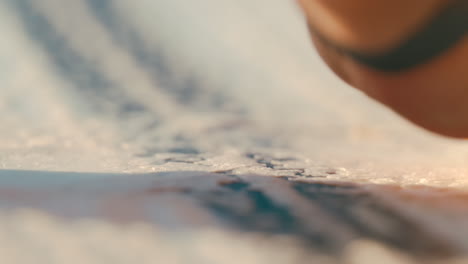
(440, 34)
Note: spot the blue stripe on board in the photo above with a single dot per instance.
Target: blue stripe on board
(69, 64)
(187, 91)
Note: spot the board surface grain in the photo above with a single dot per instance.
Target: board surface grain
(207, 132)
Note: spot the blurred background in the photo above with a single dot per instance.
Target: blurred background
(103, 99)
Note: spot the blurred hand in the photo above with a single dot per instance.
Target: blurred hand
(432, 93)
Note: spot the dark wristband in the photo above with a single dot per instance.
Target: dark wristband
(441, 33)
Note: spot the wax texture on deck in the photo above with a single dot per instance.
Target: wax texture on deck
(174, 132)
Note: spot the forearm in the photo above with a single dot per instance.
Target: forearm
(421, 55)
(370, 26)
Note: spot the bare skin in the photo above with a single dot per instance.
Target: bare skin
(433, 95)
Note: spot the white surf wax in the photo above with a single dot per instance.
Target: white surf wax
(171, 86)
